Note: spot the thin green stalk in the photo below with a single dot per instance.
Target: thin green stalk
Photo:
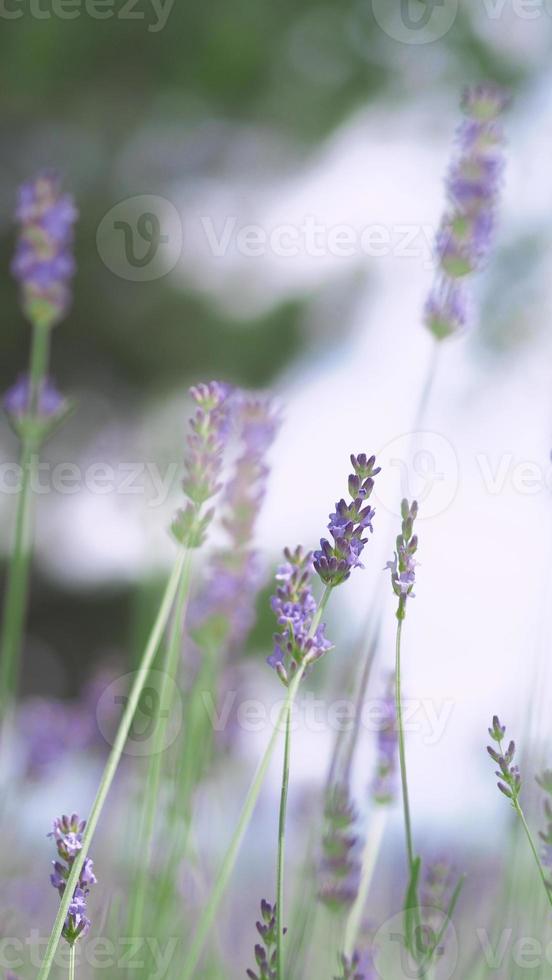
(528, 834)
(402, 755)
(17, 584)
(281, 854)
(208, 917)
(72, 962)
(369, 858)
(283, 810)
(150, 805)
(113, 760)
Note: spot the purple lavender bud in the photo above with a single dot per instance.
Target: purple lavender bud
(466, 232)
(403, 565)
(446, 309)
(335, 560)
(359, 967)
(204, 460)
(43, 262)
(339, 868)
(226, 604)
(51, 404)
(67, 833)
(265, 954)
(508, 775)
(294, 607)
(384, 785)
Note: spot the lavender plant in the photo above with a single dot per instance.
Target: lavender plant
(468, 226)
(509, 784)
(359, 966)
(339, 869)
(68, 835)
(43, 265)
(265, 951)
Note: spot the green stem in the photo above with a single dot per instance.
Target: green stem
(521, 815)
(281, 854)
(283, 809)
(113, 760)
(17, 583)
(150, 806)
(402, 755)
(369, 858)
(72, 962)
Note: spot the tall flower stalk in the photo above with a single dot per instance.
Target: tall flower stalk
(204, 460)
(302, 641)
(509, 784)
(43, 265)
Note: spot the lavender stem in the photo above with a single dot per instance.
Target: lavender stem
(72, 963)
(15, 601)
(283, 805)
(402, 755)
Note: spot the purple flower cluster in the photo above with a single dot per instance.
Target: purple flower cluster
(43, 262)
(67, 833)
(334, 561)
(265, 952)
(545, 783)
(435, 896)
(360, 966)
(204, 460)
(51, 405)
(403, 565)
(509, 776)
(467, 229)
(226, 603)
(339, 867)
(295, 608)
(384, 785)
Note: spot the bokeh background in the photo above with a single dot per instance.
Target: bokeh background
(273, 115)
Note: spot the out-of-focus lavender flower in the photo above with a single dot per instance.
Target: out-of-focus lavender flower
(467, 229)
(360, 966)
(384, 785)
(68, 833)
(204, 460)
(339, 869)
(227, 601)
(265, 952)
(435, 896)
(403, 565)
(51, 406)
(545, 783)
(334, 562)
(43, 262)
(509, 776)
(295, 608)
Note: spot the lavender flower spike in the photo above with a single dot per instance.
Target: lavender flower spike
(384, 786)
(545, 783)
(265, 953)
(403, 565)
(226, 603)
(340, 868)
(295, 608)
(467, 229)
(203, 461)
(68, 833)
(360, 966)
(43, 262)
(509, 776)
(334, 561)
